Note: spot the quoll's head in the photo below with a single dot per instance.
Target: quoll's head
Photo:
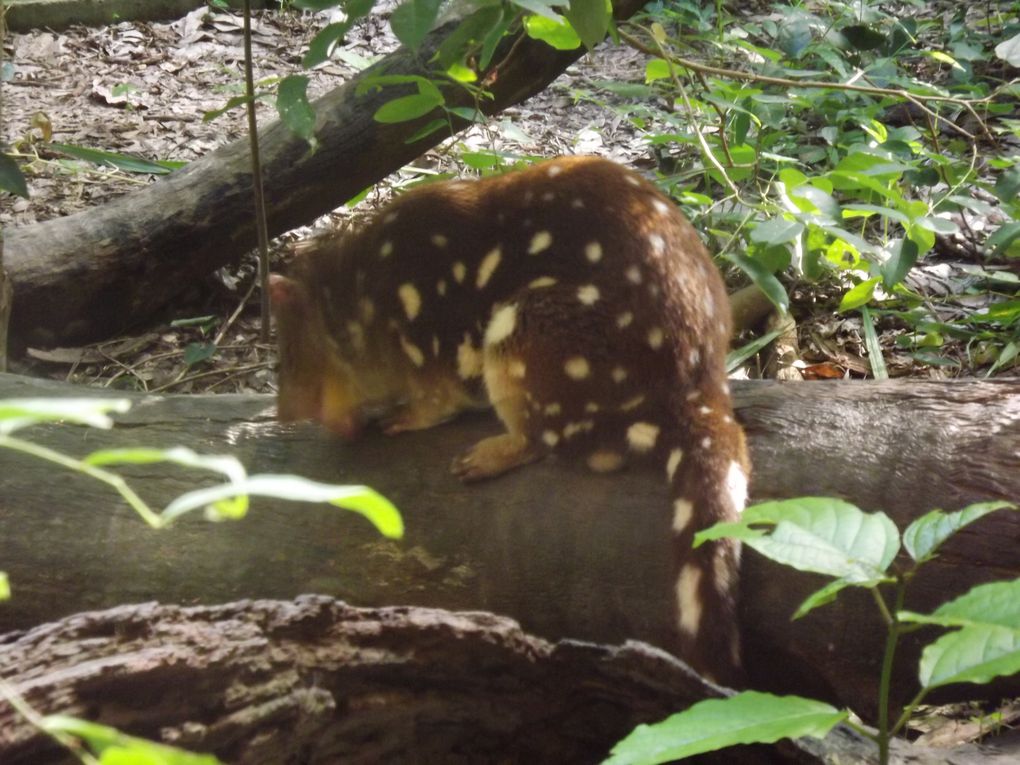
(314, 383)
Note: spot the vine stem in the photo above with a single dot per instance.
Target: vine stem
(110, 479)
(891, 639)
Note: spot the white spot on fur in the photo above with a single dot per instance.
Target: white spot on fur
(502, 324)
(673, 463)
(593, 251)
(683, 512)
(459, 272)
(577, 368)
(694, 395)
(655, 338)
(439, 240)
(688, 599)
(633, 275)
(571, 429)
(588, 294)
(517, 369)
(591, 407)
(660, 207)
(624, 319)
(736, 485)
(542, 281)
(539, 242)
(694, 358)
(554, 170)
(390, 217)
(705, 410)
(727, 419)
(409, 296)
(658, 243)
(604, 461)
(441, 287)
(619, 374)
(435, 345)
(412, 351)
(551, 437)
(488, 265)
(633, 181)
(641, 436)
(548, 196)
(386, 249)
(357, 335)
(632, 404)
(366, 310)
(577, 203)
(553, 409)
(725, 388)
(469, 359)
(706, 442)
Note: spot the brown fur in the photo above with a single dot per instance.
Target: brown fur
(581, 301)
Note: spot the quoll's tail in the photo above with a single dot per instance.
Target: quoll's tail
(707, 468)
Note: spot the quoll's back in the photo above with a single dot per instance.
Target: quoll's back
(581, 302)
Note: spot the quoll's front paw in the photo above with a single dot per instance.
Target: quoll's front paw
(492, 456)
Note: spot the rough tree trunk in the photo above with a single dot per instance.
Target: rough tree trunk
(567, 553)
(317, 682)
(95, 273)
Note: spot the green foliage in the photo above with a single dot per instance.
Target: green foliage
(854, 548)
(115, 748)
(11, 178)
(124, 162)
(746, 718)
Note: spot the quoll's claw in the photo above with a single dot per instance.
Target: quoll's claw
(493, 456)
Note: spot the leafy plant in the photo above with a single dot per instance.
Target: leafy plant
(224, 501)
(856, 549)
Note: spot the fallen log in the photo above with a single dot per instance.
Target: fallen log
(565, 552)
(316, 681)
(90, 275)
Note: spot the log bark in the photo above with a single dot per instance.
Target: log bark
(316, 681)
(567, 553)
(86, 276)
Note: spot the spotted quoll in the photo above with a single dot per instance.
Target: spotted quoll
(581, 302)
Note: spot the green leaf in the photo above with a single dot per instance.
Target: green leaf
(656, 69)
(1002, 239)
(558, 34)
(859, 295)
(318, 5)
(995, 604)
(976, 654)
(407, 108)
(16, 413)
(470, 32)
(5, 587)
(764, 279)
(746, 718)
(413, 20)
(543, 8)
(776, 231)
(736, 358)
(822, 597)
(123, 749)
(123, 162)
(360, 499)
(1007, 184)
(293, 107)
(904, 256)
(195, 353)
(875, 357)
(590, 19)
(863, 37)
(923, 537)
(821, 535)
(321, 46)
(11, 178)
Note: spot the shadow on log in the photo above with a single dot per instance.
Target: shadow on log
(565, 552)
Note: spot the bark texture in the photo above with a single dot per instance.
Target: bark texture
(565, 552)
(89, 275)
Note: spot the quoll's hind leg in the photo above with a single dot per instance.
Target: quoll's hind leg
(562, 376)
(504, 374)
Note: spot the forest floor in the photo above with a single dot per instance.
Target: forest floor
(142, 89)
